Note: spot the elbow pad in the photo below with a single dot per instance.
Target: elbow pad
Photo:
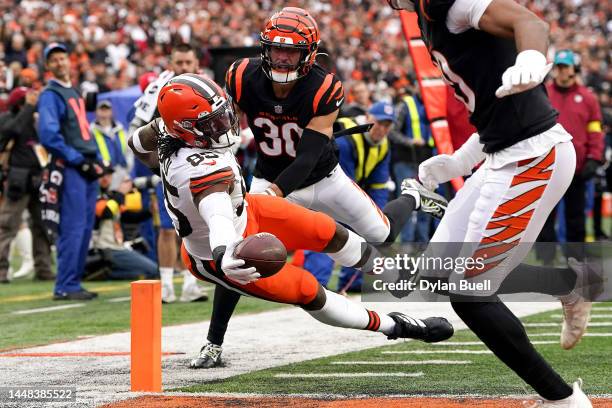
(312, 144)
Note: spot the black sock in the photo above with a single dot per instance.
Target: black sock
(539, 279)
(398, 212)
(224, 303)
(505, 336)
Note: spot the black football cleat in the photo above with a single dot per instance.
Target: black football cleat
(209, 357)
(430, 330)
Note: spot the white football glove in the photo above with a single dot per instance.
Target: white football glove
(528, 71)
(443, 167)
(232, 267)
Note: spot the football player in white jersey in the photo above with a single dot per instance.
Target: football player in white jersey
(210, 209)
(183, 59)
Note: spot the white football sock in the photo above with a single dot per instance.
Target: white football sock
(340, 311)
(166, 275)
(188, 279)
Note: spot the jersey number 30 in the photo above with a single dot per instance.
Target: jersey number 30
(281, 137)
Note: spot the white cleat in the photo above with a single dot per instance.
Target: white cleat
(578, 399)
(193, 293)
(167, 294)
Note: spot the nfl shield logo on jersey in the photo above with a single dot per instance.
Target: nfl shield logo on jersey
(278, 109)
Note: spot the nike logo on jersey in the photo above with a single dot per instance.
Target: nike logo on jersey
(211, 163)
(339, 102)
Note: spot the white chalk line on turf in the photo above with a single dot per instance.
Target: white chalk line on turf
(48, 309)
(558, 335)
(437, 352)
(404, 362)
(345, 375)
(602, 309)
(119, 299)
(592, 324)
(593, 316)
(479, 343)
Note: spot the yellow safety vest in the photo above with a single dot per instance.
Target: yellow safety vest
(102, 143)
(367, 159)
(415, 119)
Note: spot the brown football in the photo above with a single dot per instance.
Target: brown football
(263, 251)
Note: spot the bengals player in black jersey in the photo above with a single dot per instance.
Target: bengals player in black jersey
(492, 52)
(291, 103)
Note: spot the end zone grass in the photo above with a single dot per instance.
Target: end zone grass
(480, 374)
(95, 317)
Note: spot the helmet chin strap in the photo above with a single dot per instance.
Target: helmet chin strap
(284, 77)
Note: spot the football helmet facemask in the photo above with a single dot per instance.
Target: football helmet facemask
(197, 110)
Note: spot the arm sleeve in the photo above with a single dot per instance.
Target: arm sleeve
(595, 135)
(233, 80)
(465, 14)
(347, 156)
(50, 110)
(308, 151)
(216, 210)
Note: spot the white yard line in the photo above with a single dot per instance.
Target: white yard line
(119, 299)
(593, 316)
(456, 351)
(47, 309)
(559, 335)
(479, 343)
(404, 362)
(591, 324)
(345, 375)
(602, 308)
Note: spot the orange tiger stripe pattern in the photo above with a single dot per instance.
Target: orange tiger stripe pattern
(321, 91)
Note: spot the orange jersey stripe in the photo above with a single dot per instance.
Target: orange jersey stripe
(239, 72)
(470, 273)
(324, 87)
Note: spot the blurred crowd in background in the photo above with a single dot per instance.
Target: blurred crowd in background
(113, 45)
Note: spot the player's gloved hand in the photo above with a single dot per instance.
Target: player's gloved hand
(439, 169)
(528, 71)
(443, 167)
(234, 269)
(91, 169)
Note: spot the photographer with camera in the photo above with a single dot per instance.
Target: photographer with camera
(18, 138)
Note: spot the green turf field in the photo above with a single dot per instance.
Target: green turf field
(98, 316)
(483, 375)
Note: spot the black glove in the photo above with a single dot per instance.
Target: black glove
(91, 169)
(589, 169)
